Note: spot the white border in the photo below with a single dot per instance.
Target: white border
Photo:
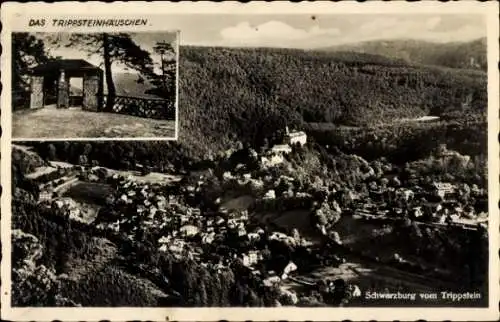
(489, 10)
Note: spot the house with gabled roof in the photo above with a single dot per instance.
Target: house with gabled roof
(295, 137)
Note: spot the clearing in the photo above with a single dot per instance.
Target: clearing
(150, 178)
(49, 122)
(90, 192)
(239, 204)
(88, 197)
(299, 219)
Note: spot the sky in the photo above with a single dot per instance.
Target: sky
(55, 43)
(296, 30)
(314, 31)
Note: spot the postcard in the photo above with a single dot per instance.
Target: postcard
(250, 161)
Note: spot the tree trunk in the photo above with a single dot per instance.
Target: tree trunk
(163, 72)
(109, 76)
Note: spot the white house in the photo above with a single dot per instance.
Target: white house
(291, 267)
(295, 137)
(189, 230)
(443, 188)
(252, 258)
(417, 212)
(270, 194)
(272, 160)
(281, 149)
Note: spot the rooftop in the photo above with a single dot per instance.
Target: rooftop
(281, 148)
(443, 185)
(69, 65)
(296, 133)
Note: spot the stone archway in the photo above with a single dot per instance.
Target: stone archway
(65, 69)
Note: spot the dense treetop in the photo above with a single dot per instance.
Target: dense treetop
(228, 95)
(469, 54)
(251, 92)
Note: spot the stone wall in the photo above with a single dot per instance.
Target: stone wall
(36, 96)
(90, 93)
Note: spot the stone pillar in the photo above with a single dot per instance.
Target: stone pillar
(36, 95)
(63, 90)
(91, 86)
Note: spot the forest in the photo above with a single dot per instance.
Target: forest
(65, 242)
(468, 55)
(272, 88)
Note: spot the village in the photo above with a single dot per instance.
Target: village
(219, 217)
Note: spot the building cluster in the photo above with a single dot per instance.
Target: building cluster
(278, 152)
(192, 219)
(217, 237)
(67, 207)
(54, 180)
(438, 203)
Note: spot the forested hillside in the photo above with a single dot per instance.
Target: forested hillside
(251, 92)
(247, 95)
(469, 55)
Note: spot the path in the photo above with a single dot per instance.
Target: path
(76, 123)
(152, 177)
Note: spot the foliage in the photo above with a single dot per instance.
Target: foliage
(27, 52)
(26, 162)
(292, 86)
(402, 142)
(271, 88)
(110, 287)
(470, 55)
(34, 288)
(60, 238)
(165, 82)
(35, 285)
(195, 285)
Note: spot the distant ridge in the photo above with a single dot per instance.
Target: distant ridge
(465, 55)
(126, 84)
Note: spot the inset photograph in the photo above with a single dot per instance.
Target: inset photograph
(94, 86)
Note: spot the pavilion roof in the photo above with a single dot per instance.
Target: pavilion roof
(69, 65)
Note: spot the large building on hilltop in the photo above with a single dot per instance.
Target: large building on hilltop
(295, 137)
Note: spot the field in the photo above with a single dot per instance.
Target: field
(74, 123)
(152, 177)
(89, 192)
(239, 203)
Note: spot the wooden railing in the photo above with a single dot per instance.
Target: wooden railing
(156, 108)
